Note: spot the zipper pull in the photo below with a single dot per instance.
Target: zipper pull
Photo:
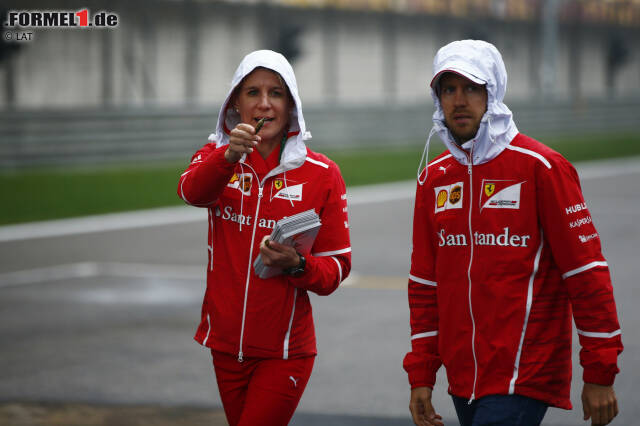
(473, 396)
(240, 358)
(469, 168)
(259, 191)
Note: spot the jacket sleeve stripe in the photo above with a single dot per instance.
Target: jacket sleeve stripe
(531, 153)
(600, 335)
(319, 163)
(582, 269)
(330, 253)
(182, 179)
(339, 269)
(427, 334)
(422, 281)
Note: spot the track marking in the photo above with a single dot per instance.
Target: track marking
(161, 271)
(96, 269)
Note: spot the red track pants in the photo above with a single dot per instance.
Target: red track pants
(260, 391)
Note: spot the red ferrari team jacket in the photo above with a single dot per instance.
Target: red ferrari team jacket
(243, 314)
(504, 253)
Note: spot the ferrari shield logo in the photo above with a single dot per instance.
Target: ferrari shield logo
(277, 184)
(489, 188)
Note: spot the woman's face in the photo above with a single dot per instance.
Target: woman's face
(263, 94)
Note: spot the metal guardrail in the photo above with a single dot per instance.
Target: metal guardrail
(33, 138)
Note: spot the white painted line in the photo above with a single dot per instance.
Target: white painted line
(102, 223)
(104, 269)
(50, 273)
(608, 168)
(185, 214)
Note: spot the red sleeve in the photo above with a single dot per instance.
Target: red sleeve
(423, 362)
(206, 177)
(575, 244)
(330, 260)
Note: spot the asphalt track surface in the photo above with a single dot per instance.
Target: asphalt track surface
(100, 312)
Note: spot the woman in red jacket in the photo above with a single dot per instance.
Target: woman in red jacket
(249, 176)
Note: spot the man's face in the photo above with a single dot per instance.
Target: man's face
(463, 104)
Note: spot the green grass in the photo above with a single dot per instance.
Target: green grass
(42, 194)
(58, 193)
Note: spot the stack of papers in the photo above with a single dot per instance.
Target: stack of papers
(298, 231)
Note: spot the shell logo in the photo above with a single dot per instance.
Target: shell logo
(442, 198)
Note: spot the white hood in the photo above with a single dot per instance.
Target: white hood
(295, 151)
(481, 63)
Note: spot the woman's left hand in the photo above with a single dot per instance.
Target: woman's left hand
(278, 255)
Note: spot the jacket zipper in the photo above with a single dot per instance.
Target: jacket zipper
(473, 323)
(253, 235)
(246, 288)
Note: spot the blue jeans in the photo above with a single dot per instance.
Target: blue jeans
(500, 410)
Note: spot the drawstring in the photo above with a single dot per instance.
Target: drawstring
(425, 153)
(287, 188)
(241, 195)
(491, 137)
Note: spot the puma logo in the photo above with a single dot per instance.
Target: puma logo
(295, 381)
(444, 169)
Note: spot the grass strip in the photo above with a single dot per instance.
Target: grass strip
(54, 193)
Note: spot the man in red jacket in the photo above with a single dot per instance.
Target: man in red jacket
(504, 252)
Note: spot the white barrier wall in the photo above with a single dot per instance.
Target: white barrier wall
(168, 53)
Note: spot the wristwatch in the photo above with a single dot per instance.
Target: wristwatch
(296, 271)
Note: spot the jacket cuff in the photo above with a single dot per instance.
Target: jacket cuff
(301, 281)
(421, 371)
(598, 377)
(420, 377)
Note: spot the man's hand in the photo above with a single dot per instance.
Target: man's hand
(421, 408)
(278, 255)
(242, 140)
(599, 403)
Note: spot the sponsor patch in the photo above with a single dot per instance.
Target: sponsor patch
(449, 197)
(582, 221)
(241, 182)
(500, 194)
(489, 189)
(587, 238)
(293, 193)
(277, 184)
(575, 208)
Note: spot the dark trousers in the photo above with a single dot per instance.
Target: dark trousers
(500, 410)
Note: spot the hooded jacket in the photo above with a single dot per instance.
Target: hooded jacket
(241, 313)
(504, 251)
